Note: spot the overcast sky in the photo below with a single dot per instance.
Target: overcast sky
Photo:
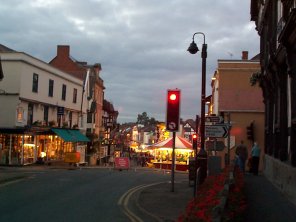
(141, 44)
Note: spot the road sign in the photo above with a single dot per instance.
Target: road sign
(220, 130)
(214, 119)
(214, 145)
(121, 163)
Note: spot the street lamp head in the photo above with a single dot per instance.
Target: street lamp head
(193, 49)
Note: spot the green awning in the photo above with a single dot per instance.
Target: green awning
(79, 136)
(69, 135)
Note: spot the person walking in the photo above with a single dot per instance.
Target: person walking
(255, 153)
(242, 153)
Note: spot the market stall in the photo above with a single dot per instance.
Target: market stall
(162, 152)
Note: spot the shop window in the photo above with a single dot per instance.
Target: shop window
(88, 130)
(64, 90)
(30, 114)
(35, 83)
(89, 117)
(70, 119)
(45, 115)
(20, 114)
(74, 95)
(50, 88)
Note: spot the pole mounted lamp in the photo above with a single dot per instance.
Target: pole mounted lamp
(202, 154)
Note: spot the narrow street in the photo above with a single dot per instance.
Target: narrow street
(71, 195)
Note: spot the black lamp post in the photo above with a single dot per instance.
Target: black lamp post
(202, 154)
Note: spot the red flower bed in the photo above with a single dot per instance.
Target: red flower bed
(236, 203)
(209, 195)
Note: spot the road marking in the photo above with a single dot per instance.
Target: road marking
(11, 182)
(124, 200)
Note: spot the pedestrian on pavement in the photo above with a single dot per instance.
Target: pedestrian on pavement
(255, 158)
(242, 153)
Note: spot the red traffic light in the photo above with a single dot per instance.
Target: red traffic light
(173, 96)
(173, 110)
(194, 141)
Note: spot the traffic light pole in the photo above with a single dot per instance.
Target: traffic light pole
(173, 163)
(172, 122)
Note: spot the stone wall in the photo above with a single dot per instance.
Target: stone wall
(282, 175)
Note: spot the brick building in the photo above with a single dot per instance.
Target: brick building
(94, 90)
(239, 103)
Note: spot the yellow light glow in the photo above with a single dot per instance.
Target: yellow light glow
(165, 148)
(179, 149)
(29, 144)
(43, 154)
(184, 150)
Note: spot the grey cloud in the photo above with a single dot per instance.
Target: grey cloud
(141, 44)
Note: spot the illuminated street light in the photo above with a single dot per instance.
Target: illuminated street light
(202, 155)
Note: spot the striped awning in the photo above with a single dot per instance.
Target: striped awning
(180, 143)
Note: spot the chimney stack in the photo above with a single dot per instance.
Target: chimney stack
(245, 55)
(63, 51)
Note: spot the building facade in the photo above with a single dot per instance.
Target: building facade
(275, 23)
(189, 128)
(93, 91)
(108, 130)
(238, 103)
(35, 98)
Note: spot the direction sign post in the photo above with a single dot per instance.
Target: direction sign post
(213, 145)
(218, 130)
(214, 119)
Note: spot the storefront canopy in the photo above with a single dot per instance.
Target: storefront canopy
(69, 135)
(12, 130)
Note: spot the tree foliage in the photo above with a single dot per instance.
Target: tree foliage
(145, 119)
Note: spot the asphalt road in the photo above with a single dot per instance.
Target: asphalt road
(72, 195)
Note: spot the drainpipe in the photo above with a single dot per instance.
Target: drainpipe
(10, 146)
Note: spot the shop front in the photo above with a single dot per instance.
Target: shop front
(72, 141)
(12, 150)
(21, 146)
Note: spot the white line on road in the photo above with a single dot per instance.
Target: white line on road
(11, 182)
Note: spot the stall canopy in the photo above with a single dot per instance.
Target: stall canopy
(69, 135)
(180, 143)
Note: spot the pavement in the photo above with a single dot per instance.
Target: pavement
(266, 203)
(157, 202)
